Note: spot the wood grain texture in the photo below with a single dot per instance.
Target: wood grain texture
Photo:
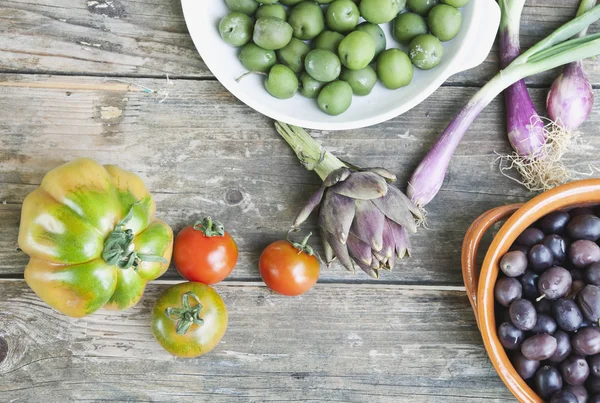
(201, 151)
(149, 39)
(424, 346)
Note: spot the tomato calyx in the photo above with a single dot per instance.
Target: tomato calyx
(187, 315)
(119, 249)
(303, 246)
(209, 227)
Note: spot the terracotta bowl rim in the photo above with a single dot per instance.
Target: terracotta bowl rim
(572, 194)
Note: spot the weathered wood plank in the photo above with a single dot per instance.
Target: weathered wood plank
(148, 38)
(202, 152)
(383, 344)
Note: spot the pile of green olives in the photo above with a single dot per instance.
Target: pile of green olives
(333, 49)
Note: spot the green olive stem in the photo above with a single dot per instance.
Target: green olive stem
(237, 80)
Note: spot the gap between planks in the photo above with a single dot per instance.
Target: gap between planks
(326, 284)
(131, 86)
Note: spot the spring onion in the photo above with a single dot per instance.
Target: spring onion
(571, 97)
(537, 149)
(553, 51)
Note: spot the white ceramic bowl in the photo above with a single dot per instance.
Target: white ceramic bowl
(481, 19)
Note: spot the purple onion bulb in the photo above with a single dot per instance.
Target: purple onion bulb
(571, 98)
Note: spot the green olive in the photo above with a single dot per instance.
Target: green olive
(309, 87)
(357, 50)
(426, 51)
(324, 1)
(342, 16)
(293, 55)
(380, 11)
(408, 26)
(421, 6)
(272, 33)
(322, 65)
(281, 82)
(236, 29)
(394, 69)
(271, 10)
(362, 81)
(335, 98)
(307, 20)
(444, 21)
(376, 33)
(290, 2)
(255, 58)
(247, 7)
(456, 3)
(267, 2)
(328, 40)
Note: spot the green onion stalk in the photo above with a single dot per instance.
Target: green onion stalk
(559, 48)
(364, 220)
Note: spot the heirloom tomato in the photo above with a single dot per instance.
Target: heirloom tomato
(189, 319)
(204, 252)
(92, 238)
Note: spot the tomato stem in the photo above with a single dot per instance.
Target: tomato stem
(187, 315)
(119, 248)
(209, 227)
(302, 246)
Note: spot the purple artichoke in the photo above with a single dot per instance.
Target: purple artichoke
(364, 220)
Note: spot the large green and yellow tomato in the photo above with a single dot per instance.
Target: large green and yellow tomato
(92, 237)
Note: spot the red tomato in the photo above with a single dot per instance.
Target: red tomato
(288, 270)
(204, 252)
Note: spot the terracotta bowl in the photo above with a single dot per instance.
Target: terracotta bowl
(480, 283)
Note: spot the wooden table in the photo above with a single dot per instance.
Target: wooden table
(72, 79)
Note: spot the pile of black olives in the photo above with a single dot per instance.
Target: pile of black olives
(548, 305)
(323, 50)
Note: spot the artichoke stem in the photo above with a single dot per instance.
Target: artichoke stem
(309, 152)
